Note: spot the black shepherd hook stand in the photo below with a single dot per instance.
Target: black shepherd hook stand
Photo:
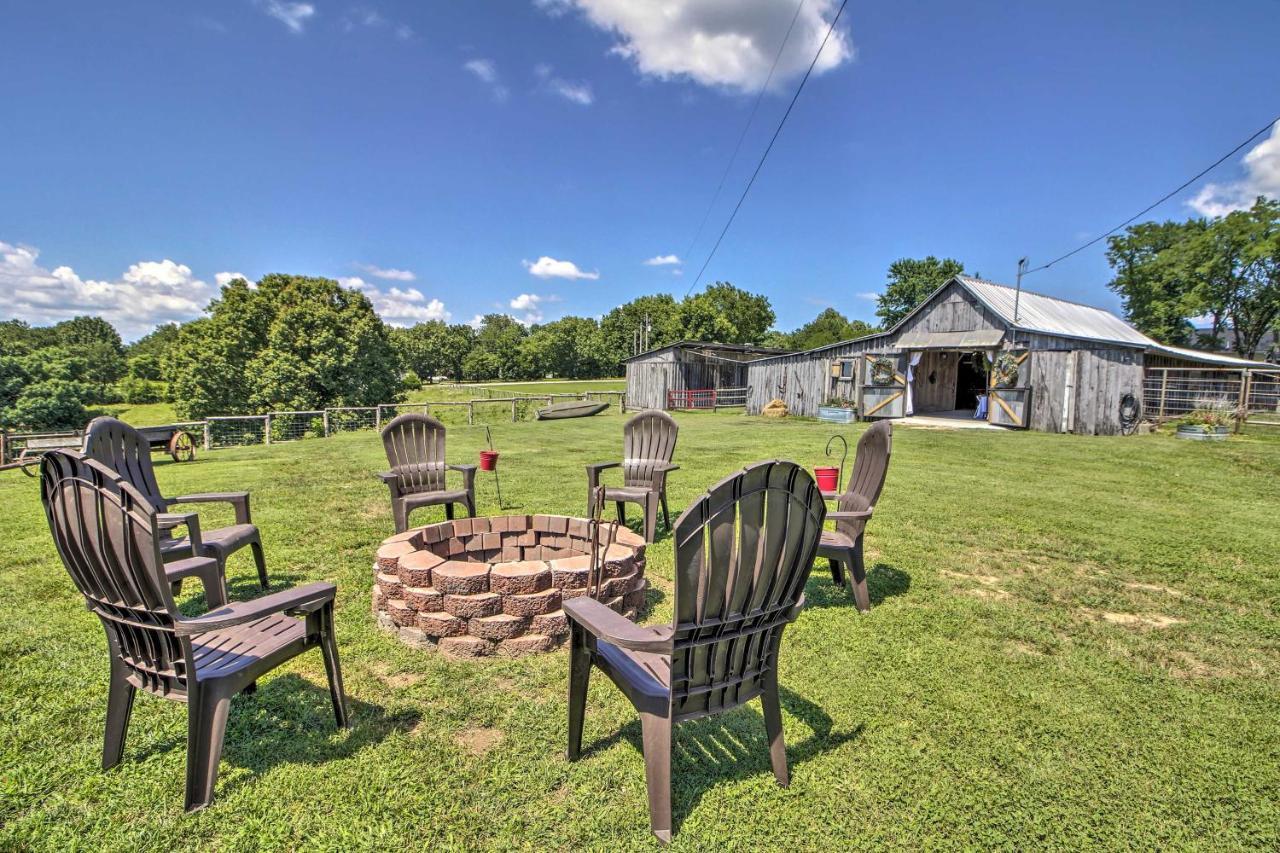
(497, 484)
(844, 455)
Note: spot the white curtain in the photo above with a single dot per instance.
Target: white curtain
(911, 375)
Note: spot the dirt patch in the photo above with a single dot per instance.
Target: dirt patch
(988, 594)
(1135, 620)
(986, 580)
(1151, 587)
(402, 679)
(479, 740)
(1017, 648)
(1187, 665)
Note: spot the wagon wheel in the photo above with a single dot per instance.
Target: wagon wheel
(181, 447)
(31, 466)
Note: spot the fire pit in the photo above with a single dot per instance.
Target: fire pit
(483, 586)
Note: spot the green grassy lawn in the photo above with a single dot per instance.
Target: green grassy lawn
(1073, 643)
(138, 414)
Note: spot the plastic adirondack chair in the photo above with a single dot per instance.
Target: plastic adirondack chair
(126, 451)
(648, 443)
(415, 450)
(743, 553)
(109, 536)
(843, 546)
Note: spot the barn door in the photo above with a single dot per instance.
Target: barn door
(1009, 391)
(884, 389)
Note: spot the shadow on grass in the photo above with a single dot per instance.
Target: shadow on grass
(730, 746)
(289, 720)
(883, 581)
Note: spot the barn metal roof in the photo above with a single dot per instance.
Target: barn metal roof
(1053, 316)
(1210, 357)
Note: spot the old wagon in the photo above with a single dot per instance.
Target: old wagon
(24, 451)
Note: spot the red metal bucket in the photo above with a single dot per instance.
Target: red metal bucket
(828, 477)
(488, 460)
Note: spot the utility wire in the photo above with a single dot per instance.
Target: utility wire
(1162, 200)
(769, 147)
(743, 135)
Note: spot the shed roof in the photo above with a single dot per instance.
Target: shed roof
(1214, 358)
(711, 346)
(1050, 315)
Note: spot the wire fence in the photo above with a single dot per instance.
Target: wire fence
(1252, 396)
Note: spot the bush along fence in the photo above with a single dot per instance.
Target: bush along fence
(272, 427)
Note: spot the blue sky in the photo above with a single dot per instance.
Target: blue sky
(435, 153)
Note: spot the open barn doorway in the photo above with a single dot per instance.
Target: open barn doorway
(971, 380)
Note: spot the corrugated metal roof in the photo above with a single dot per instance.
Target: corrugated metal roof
(1210, 357)
(1048, 314)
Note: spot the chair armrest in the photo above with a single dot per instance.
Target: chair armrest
(239, 500)
(604, 624)
(665, 467)
(300, 599)
(849, 515)
(593, 472)
(388, 476)
(189, 520)
(794, 613)
(468, 471)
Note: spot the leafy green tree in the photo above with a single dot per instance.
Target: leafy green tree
(292, 342)
(567, 348)
(481, 365)
(911, 281)
(829, 327)
(725, 314)
(434, 348)
(1157, 287)
(619, 326)
(146, 355)
(51, 404)
(500, 337)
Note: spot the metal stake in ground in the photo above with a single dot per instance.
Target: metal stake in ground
(489, 462)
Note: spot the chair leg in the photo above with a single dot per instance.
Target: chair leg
(471, 504)
(260, 560)
(622, 513)
(448, 512)
(399, 515)
(858, 579)
(579, 678)
(120, 695)
(657, 771)
(206, 728)
(329, 648)
(837, 573)
(650, 517)
(773, 727)
(666, 516)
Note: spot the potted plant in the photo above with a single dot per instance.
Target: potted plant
(837, 411)
(1205, 424)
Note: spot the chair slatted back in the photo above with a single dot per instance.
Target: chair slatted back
(870, 467)
(648, 439)
(415, 450)
(743, 554)
(104, 531)
(126, 451)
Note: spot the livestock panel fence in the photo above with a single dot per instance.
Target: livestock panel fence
(708, 399)
(1252, 396)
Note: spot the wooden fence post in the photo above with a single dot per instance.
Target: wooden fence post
(208, 436)
(326, 423)
(513, 409)
(1242, 403)
(377, 417)
(471, 412)
(1164, 386)
(266, 429)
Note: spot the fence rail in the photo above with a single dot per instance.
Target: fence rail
(270, 427)
(1253, 396)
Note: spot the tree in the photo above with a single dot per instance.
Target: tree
(292, 342)
(1159, 290)
(499, 336)
(434, 348)
(725, 314)
(911, 281)
(829, 327)
(567, 348)
(618, 329)
(146, 355)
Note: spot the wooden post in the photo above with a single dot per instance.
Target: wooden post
(471, 412)
(1242, 404)
(266, 429)
(208, 436)
(326, 423)
(377, 417)
(4, 447)
(513, 409)
(1164, 388)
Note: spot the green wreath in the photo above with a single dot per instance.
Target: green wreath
(882, 370)
(1005, 370)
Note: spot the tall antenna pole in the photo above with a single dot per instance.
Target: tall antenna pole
(1017, 294)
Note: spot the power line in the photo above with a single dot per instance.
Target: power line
(743, 135)
(1163, 199)
(769, 147)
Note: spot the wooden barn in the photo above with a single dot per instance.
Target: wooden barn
(688, 369)
(1059, 366)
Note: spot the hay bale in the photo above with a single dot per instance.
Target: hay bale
(774, 409)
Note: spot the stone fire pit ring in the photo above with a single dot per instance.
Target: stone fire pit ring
(476, 587)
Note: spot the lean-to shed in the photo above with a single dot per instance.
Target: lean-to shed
(687, 366)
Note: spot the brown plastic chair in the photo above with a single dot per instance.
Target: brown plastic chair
(743, 553)
(127, 452)
(415, 450)
(108, 536)
(648, 443)
(843, 546)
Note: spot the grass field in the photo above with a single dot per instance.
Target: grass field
(1073, 643)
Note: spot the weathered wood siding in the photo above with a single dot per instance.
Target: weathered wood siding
(648, 378)
(940, 394)
(952, 310)
(1102, 377)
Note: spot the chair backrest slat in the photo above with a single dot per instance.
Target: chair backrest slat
(104, 530)
(743, 554)
(870, 467)
(414, 443)
(126, 451)
(648, 439)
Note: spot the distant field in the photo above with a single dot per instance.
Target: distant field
(138, 414)
(552, 386)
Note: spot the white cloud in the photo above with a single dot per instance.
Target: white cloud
(716, 42)
(528, 303)
(578, 93)
(368, 18)
(487, 72)
(397, 306)
(869, 296)
(146, 294)
(546, 267)
(292, 15)
(476, 322)
(662, 260)
(388, 273)
(1261, 177)
(222, 279)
